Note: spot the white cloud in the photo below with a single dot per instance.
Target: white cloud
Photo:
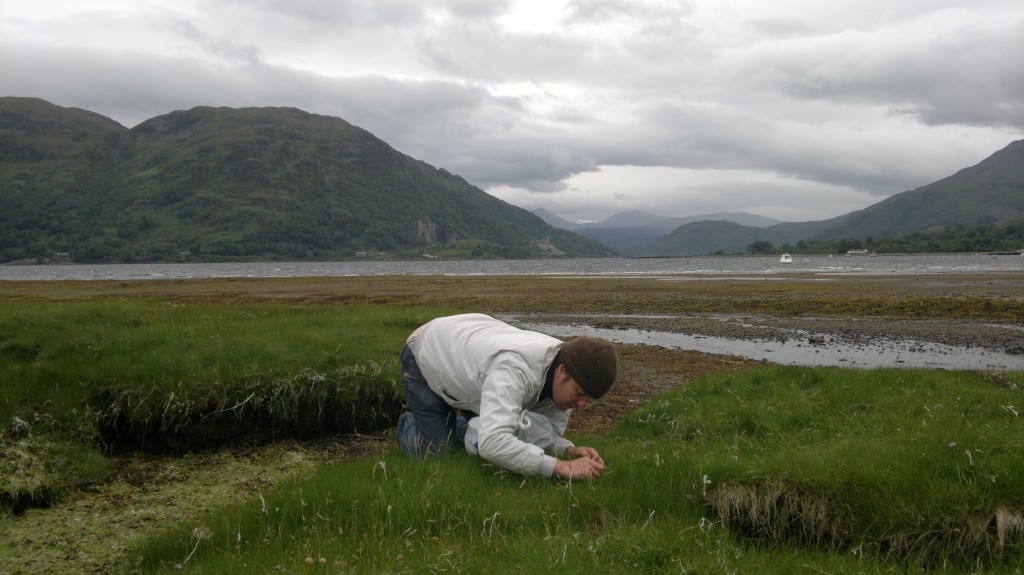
(794, 109)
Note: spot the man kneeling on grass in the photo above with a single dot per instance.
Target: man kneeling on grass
(523, 385)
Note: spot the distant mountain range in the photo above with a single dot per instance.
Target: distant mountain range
(240, 184)
(989, 193)
(632, 232)
(641, 219)
(216, 184)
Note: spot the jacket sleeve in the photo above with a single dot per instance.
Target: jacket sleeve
(559, 420)
(504, 391)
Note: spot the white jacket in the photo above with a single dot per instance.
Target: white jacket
(495, 370)
(533, 428)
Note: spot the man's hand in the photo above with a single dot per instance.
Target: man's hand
(574, 452)
(586, 463)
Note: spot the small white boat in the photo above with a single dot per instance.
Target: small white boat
(786, 259)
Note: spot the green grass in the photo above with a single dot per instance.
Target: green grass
(55, 356)
(80, 376)
(778, 470)
(395, 516)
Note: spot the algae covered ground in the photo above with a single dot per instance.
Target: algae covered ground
(143, 493)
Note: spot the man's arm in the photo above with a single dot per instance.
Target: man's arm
(501, 402)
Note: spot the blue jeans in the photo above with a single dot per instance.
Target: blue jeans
(431, 427)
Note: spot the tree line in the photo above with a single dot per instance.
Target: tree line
(1005, 237)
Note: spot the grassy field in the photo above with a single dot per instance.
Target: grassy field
(777, 470)
(82, 377)
(767, 470)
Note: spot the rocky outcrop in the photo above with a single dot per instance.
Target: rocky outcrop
(435, 235)
(549, 248)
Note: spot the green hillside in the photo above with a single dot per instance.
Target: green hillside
(699, 238)
(988, 194)
(212, 184)
(58, 171)
(720, 236)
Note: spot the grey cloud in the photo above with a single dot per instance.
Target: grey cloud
(586, 11)
(474, 9)
(338, 15)
(219, 47)
(467, 130)
(785, 27)
(937, 82)
(796, 97)
(380, 20)
(485, 52)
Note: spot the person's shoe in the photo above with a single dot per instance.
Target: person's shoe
(405, 434)
(404, 421)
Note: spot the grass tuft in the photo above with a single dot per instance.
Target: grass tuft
(779, 511)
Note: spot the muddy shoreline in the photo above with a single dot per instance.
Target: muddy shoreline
(985, 311)
(1002, 338)
(960, 338)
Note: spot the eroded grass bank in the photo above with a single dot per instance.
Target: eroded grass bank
(84, 378)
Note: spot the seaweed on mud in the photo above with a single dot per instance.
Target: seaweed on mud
(40, 470)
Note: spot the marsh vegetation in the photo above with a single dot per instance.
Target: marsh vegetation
(242, 426)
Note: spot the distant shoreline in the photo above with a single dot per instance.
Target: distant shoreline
(51, 262)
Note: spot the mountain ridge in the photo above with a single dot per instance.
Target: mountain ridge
(212, 184)
(989, 192)
(215, 184)
(640, 218)
(627, 231)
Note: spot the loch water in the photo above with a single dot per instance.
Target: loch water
(688, 266)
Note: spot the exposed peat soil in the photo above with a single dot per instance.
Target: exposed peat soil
(91, 532)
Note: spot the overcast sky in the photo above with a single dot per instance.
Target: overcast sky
(792, 109)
